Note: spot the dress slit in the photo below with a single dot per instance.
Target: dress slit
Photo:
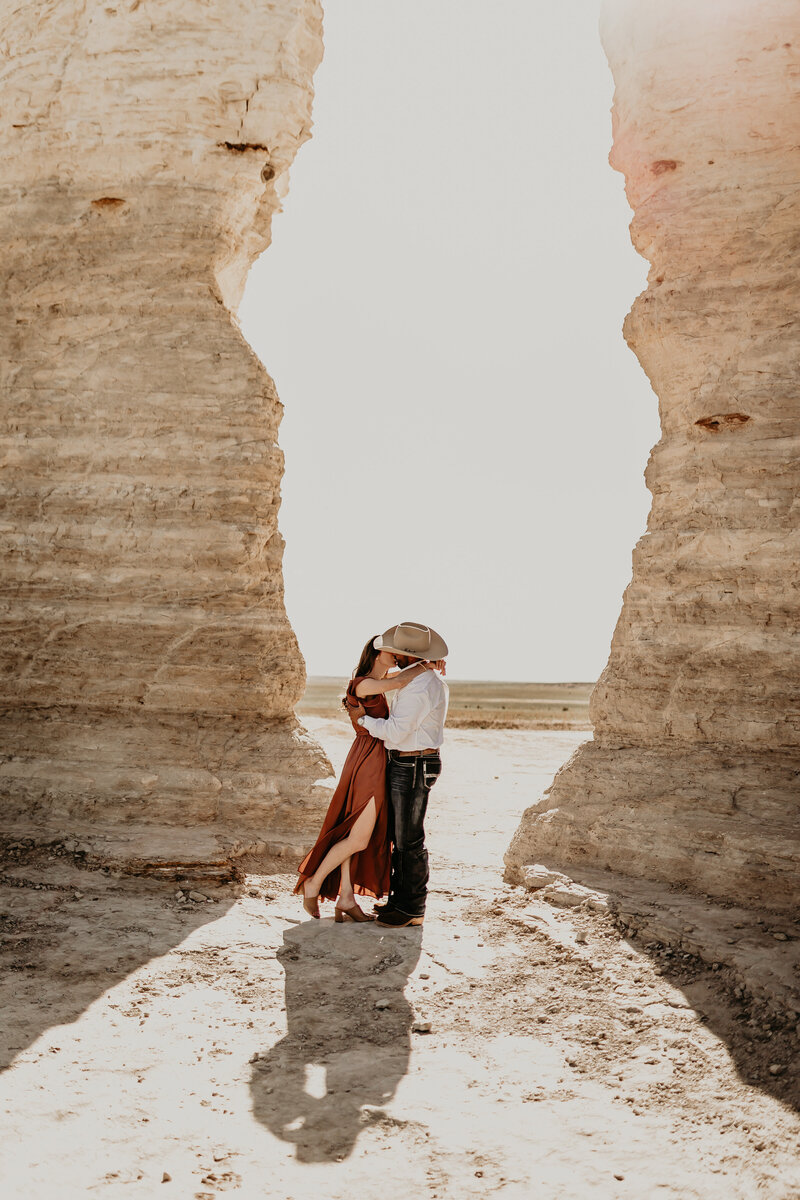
(363, 779)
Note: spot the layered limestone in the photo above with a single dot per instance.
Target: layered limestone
(693, 777)
(150, 673)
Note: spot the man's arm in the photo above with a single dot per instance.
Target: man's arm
(410, 709)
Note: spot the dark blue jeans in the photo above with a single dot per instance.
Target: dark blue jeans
(409, 782)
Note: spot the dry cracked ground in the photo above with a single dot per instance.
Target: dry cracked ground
(165, 1046)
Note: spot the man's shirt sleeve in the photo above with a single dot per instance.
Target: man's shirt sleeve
(410, 710)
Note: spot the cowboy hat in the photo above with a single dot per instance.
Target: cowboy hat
(416, 641)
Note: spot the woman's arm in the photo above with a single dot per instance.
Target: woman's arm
(379, 687)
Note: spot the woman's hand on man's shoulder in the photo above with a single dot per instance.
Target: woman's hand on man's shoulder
(438, 664)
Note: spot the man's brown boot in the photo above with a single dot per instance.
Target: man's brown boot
(397, 920)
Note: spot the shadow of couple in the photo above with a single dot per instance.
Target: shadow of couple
(326, 1080)
(348, 1036)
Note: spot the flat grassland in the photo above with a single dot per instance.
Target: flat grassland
(479, 704)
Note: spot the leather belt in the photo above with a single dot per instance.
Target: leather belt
(414, 753)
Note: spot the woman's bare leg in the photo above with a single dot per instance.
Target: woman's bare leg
(347, 896)
(357, 839)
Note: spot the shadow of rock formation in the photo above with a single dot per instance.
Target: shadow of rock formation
(68, 935)
(762, 1043)
(330, 1076)
(738, 967)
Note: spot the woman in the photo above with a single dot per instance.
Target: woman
(352, 852)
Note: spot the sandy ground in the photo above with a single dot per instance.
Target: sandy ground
(172, 1047)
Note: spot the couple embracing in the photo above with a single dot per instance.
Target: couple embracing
(373, 837)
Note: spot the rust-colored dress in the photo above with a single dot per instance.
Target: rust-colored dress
(363, 776)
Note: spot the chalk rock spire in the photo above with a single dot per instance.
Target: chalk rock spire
(150, 670)
(693, 773)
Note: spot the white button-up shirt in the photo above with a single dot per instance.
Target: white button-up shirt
(418, 712)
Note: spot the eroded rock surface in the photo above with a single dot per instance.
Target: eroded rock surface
(694, 773)
(150, 673)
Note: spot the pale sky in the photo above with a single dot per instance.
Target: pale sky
(465, 429)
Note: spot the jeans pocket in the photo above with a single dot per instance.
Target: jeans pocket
(403, 768)
(431, 770)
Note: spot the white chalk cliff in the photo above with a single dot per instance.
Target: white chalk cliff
(693, 776)
(150, 673)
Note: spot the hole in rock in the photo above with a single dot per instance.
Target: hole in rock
(241, 147)
(722, 421)
(664, 164)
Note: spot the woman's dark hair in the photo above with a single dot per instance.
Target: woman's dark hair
(367, 660)
(365, 665)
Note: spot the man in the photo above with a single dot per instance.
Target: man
(413, 734)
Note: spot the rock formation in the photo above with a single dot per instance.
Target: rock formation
(693, 777)
(150, 673)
